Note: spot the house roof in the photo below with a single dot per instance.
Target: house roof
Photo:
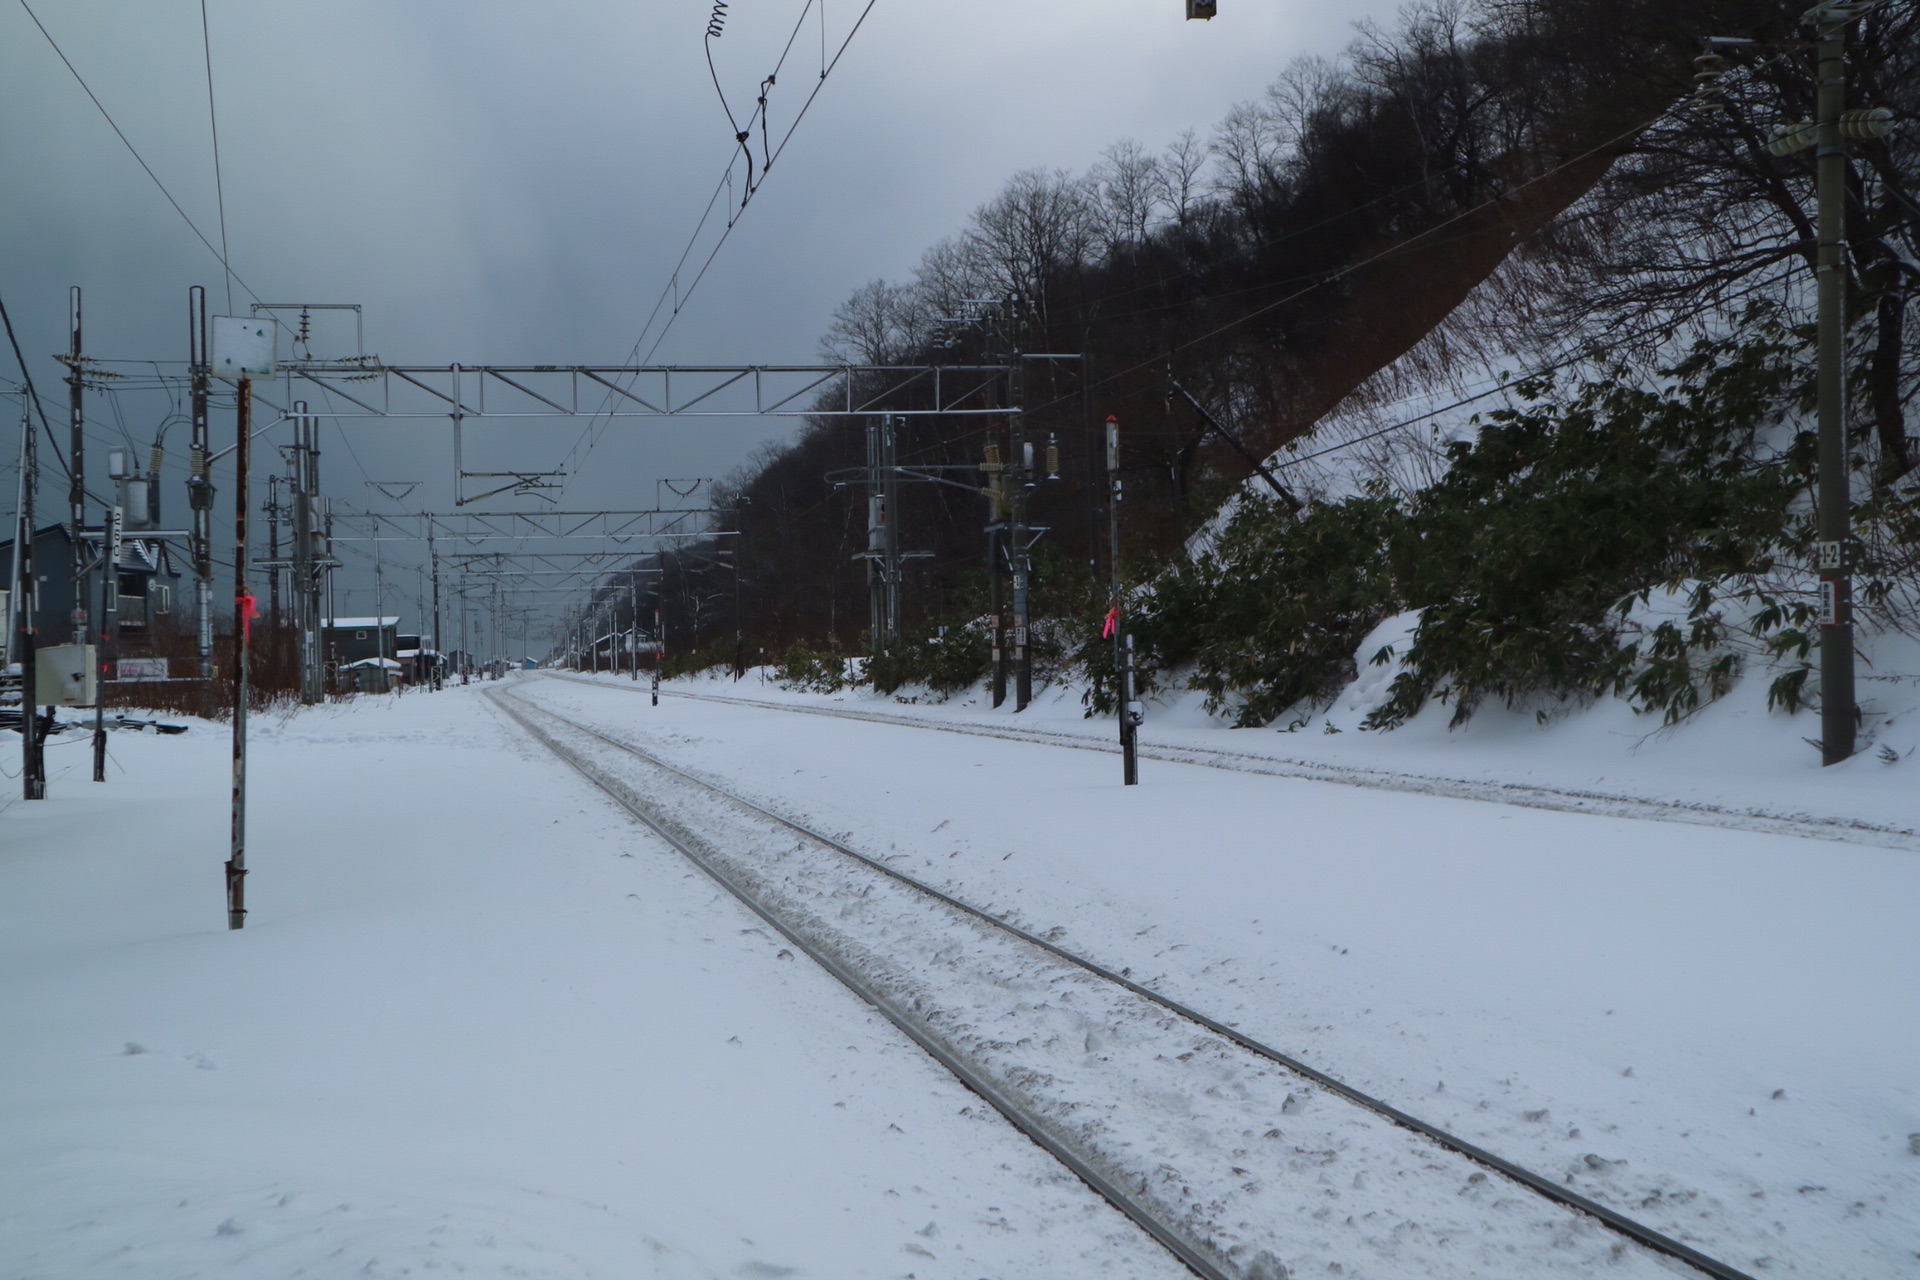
(137, 554)
(145, 554)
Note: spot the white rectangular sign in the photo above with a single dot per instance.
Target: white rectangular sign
(243, 347)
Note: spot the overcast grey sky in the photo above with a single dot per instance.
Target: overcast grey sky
(514, 182)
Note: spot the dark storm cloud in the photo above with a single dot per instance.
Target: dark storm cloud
(503, 182)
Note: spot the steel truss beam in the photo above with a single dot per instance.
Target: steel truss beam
(369, 389)
(475, 527)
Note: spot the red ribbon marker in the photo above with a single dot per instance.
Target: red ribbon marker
(1113, 623)
(249, 610)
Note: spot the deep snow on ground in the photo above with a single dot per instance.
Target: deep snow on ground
(461, 1028)
(475, 1023)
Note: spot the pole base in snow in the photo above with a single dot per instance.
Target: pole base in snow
(236, 896)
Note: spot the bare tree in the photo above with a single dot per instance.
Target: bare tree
(1250, 146)
(949, 273)
(1700, 217)
(880, 324)
(1179, 173)
(1308, 97)
(1127, 184)
(1037, 230)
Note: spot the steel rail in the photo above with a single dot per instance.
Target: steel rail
(1524, 795)
(1538, 1183)
(1192, 1256)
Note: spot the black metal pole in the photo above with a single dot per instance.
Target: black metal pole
(109, 633)
(1127, 712)
(242, 624)
(199, 479)
(76, 466)
(33, 768)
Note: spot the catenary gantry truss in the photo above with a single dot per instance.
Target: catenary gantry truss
(368, 388)
(475, 527)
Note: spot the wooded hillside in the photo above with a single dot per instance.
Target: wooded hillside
(1490, 186)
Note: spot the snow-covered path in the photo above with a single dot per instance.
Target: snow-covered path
(462, 1028)
(476, 1022)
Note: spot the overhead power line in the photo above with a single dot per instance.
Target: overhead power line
(1405, 245)
(590, 434)
(213, 122)
(134, 151)
(1507, 381)
(26, 377)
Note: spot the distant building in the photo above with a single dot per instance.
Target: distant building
(149, 586)
(369, 675)
(346, 641)
(418, 663)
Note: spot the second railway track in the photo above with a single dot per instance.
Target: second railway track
(1241, 1160)
(1529, 795)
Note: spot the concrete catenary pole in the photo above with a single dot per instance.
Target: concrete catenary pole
(1837, 716)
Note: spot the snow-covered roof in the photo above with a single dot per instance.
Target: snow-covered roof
(363, 624)
(371, 662)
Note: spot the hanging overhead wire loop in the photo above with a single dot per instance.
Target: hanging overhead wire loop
(716, 27)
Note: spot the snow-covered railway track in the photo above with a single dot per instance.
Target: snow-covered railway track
(1223, 1148)
(1529, 795)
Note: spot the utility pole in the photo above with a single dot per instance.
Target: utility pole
(33, 771)
(466, 647)
(109, 635)
(1214, 425)
(379, 619)
(1831, 126)
(199, 480)
(1130, 712)
(333, 604)
(1019, 541)
(633, 588)
(306, 560)
(242, 348)
(242, 627)
(273, 551)
(76, 465)
(883, 539)
(999, 510)
(1837, 715)
(433, 557)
